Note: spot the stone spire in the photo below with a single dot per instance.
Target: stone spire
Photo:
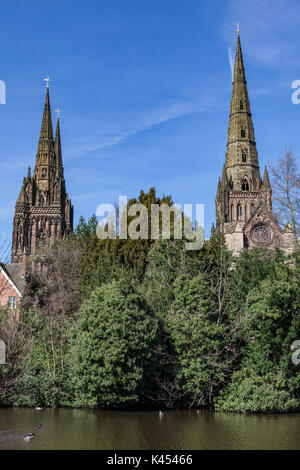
(224, 177)
(219, 188)
(266, 181)
(244, 201)
(241, 155)
(43, 212)
(46, 135)
(57, 146)
(45, 158)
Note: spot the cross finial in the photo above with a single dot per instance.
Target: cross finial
(58, 112)
(47, 79)
(238, 28)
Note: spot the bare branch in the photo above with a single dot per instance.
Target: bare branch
(286, 192)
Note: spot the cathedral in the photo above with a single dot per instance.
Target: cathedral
(244, 215)
(43, 209)
(244, 199)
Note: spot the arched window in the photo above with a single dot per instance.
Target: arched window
(239, 211)
(241, 105)
(243, 133)
(245, 184)
(244, 156)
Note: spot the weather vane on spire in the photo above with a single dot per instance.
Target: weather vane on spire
(57, 112)
(238, 28)
(47, 79)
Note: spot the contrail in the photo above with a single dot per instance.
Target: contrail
(231, 61)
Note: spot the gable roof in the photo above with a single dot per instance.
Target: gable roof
(261, 209)
(13, 274)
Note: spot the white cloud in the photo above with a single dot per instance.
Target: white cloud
(231, 61)
(131, 124)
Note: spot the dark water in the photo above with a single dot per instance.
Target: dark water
(87, 429)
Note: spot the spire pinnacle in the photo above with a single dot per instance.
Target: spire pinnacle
(219, 187)
(224, 177)
(57, 143)
(238, 29)
(46, 129)
(48, 80)
(266, 180)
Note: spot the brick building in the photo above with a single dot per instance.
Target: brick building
(12, 284)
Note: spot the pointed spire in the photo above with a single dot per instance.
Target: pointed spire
(219, 187)
(22, 195)
(266, 180)
(45, 158)
(224, 177)
(29, 173)
(241, 155)
(57, 144)
(239, 69)
(46, 129)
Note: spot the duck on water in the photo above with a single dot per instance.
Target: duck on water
(31, 435)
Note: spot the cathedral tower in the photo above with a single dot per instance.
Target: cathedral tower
(43, 209)
(244, 200)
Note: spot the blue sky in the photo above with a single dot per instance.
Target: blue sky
(144, 87)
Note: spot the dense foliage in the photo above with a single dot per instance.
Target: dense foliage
(137, 323)
(111, 347)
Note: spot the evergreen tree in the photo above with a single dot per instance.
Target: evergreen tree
(199, 340)
(111, 352)
(268, 381)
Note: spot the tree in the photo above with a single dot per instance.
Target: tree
(169, 263)
(107, 259)
(250, 392)
(267, 381)
(286, 192)
(53, 286)
(43, 381)
(167, 260)
(199, 340)
(48, 308)
(111, 351)
(17, 347)
(217, 268)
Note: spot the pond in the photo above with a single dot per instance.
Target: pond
(147, 430)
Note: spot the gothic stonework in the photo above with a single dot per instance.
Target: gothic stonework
(43, 210)
(244, 200)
